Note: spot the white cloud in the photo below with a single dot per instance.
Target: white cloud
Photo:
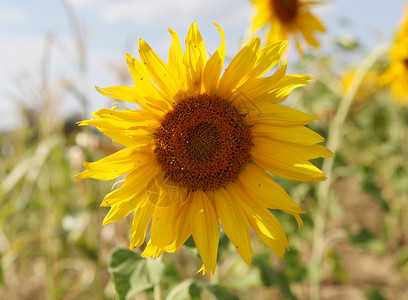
(145, 10)
(83, 2)
(18, 53)
(153, 11)
(12, 15)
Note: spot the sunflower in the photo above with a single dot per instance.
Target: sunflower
(203, 147)
(397, 74)
(370, 85)
(287, 18)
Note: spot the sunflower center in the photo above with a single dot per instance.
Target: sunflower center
(405, 62)
(286, 10)
(203, 143)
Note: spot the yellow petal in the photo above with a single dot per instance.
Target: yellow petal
(308, 25)
(176, 64)
(202, 269)
(278, 115)
(278, 31)
(284, 161)
(195, 38)
(239, 68)
(110, 124)
(268, 58)
(148, 90)
(285, 86)
(315, 151)
(129, 137)
(125, 119)
(261, 17)
(291, 134)
(253, 92)
(128, 127)
(234, 222)
(137, 184)
(204, 224)
(162, 223)
(194, 60)
(214, 66)
(152, 250)
(263, 189)
(159, 71)
(181, 227)
(141, 220)
(273, 89)
(125, 93)
(163, 192)
(120, 210)
(121, 162)
(126, 199)
(262, 221)
(134, 95)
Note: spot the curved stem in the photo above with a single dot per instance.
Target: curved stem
(333, 141)
(173, 293)
(159, 287)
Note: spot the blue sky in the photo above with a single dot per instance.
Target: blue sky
(114, 27)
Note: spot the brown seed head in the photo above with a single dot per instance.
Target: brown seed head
(203, 143)
(287, 10)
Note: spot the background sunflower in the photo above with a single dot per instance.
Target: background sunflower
(287, 19)
(396, 74)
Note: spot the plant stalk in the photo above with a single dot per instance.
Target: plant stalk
(159, 287)
(334, 139)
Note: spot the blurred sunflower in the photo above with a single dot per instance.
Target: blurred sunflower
(369, 87)
(287, 18)
(203, 147)
(396, 75)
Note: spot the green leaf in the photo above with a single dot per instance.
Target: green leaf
(190, 242)
(132, 273)
(181, 291)
(401, 258)
(221, 293)
(365, 240)
(371, 188)
(223, 245)
(339, 271)
(374, 294)
(294, 270)
(364, 236)
(194, 291)
(270, 276)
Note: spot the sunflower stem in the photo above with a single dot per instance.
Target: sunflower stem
(159, 286)
(334, 139)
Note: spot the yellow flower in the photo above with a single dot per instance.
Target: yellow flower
(201, 149)
(397, 74)
(287, 18)
(370, 86)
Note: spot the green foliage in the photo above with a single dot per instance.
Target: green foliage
(339, 271)
(371, 187)
(365, 240)
(132, 274)
(220, 292)
(272, 277)
(374, 294)
(294, 270)
(194, 291)
(402, 258)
